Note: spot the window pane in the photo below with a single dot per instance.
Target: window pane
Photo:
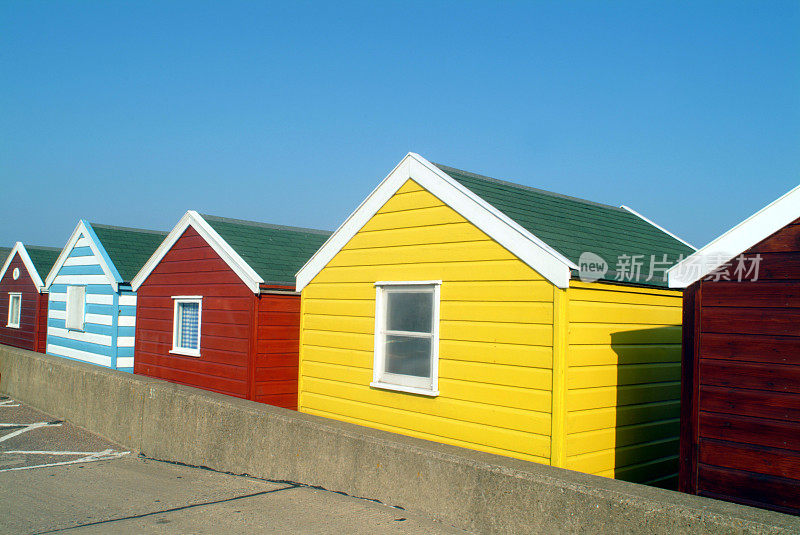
(408, 356)
(409, 311)
(188, 318)
(13, 318)
(76, 299)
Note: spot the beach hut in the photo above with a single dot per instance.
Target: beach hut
(481, 313)
(217, 307)
(740, 416)
(92, 308)
(23, 299)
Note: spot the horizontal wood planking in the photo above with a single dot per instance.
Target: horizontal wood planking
(758, 321)
(22, 336)
(615, 396)
(41, 330)
(623, 381)
(621, 457)
(97, 343)
(752, 294)
(443, 429)
(495, 333)
(481, 291)
(434, 437)
(451, 409)
(786, 239)
(191, 267)
(748, 488)
(615, 417)
(750, 430)
(754, 348)
(607, 439)
(750, 403)
(766, 377)
(747, 398)
(277, 343)
(767, 461)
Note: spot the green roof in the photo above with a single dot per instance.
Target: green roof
(128, 248)
(275, 252)
(43, 258)
(573, 226)
(4, 252)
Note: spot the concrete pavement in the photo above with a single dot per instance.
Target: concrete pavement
(469, 489)
(133, 494)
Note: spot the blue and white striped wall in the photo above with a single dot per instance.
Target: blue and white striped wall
(110, 315)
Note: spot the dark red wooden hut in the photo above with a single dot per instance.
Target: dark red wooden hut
(23, 299)
(216, 307)
(740, 406)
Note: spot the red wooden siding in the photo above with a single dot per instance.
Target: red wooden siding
(41, 332)
(277, 350)
(248, 343)
(24, 336)
(741, 370)
(192, 267)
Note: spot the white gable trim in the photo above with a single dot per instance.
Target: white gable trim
(19, 248)
(740, 238)
(214, 240)
(659, 227)
(82, 229)
(534, 252)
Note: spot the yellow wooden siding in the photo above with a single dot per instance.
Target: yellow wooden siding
(496, 333)
(623, 381)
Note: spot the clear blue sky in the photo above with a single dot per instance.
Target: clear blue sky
(132, 113)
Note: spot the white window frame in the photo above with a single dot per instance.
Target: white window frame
(11, 297)
(405, 383)
(70, 290)
(177, 300)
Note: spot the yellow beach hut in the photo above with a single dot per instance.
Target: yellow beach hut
(480, 313)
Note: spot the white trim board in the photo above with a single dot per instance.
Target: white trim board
(19, 248)
(81, 229)
(545, 260)
(740, 238)
(213, 239)
(659, 227)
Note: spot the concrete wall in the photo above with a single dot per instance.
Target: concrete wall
(473, 490)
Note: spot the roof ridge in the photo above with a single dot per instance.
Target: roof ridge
(129, 229)
(469, 174)
(43, 247)
(264, 225)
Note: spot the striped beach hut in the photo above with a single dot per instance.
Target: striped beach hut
(92, 309)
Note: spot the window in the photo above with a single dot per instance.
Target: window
(76, 306)
(14, 309)
(407, 337)
(186, 325)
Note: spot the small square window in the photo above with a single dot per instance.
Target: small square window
(186, 325)
(14, 309)
(407, 337)
(76, 307)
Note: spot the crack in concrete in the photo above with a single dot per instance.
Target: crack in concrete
(277, 481)
(170, 510)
